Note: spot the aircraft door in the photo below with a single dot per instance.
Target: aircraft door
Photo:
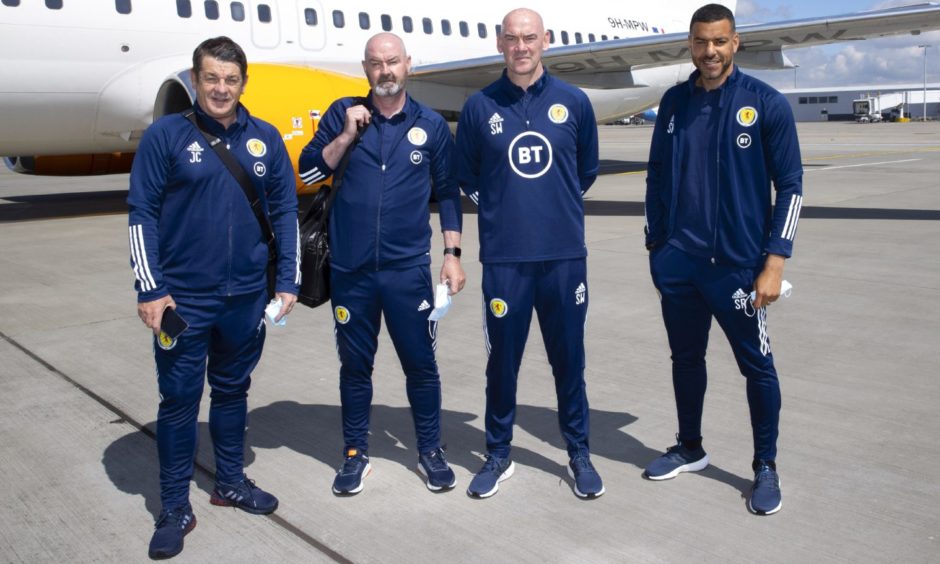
(265, 23)
(311, 20)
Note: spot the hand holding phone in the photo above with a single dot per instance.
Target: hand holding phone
(172, 326)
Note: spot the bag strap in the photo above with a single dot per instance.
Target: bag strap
(344, 162)
(241, 176)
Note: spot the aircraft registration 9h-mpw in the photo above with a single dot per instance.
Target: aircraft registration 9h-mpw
(80, 80)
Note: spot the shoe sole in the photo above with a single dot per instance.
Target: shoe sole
(581, 494)
(696, 466)
(167, 555)
(357, 489)
(222, 502)
(432, 487)
(502, 477)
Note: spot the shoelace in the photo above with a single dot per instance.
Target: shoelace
(436, 460)
(766, 477)
(173, 518)
(352, 465)
(492, 465)
(582, 464)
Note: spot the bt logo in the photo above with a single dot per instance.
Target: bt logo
(530, 154)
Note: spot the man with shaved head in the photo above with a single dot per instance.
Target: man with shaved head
(526, 153)
(380, 243)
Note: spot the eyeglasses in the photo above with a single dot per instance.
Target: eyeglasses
(212, 80)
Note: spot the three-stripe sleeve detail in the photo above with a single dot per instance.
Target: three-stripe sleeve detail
(139, 258)
(793, 217)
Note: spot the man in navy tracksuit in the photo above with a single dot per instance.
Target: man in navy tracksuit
(527, 152)
(197, 247)
(380, 250)
(716, 235)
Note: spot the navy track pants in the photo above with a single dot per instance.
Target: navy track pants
(222, 345)
(557, 290)
(406, 298)
(692, 291)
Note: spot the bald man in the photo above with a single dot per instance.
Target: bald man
(380, 243)
(526, 153)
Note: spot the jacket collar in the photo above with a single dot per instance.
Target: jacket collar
(725, 89)
(241, 119)
(535, 88)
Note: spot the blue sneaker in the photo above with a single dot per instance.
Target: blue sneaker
(171, 527)
(244, 495)
(494, 471)
(677, 459)
(765, 493)
(587, 482)
(433, 466)
(349, 477)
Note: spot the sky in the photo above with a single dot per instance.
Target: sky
(894, 60)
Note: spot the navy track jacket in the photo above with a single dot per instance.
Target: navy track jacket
(757, 144)
(381, 215)
(192, 231)
(526, 157)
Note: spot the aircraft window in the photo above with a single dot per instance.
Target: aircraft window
(212, 9)
(591, 38)
(833, 99)
(54, 4)
(264, 13)
(386, 22)
(122, 6)
(310, 16)
(499, 29)
(616, 37)
(339, 20)
(238, 11)
(364, 22)
(603, 38)
(464, 29)
(551, 36)
(445, 27)
(184, 8)
(428, 25)
(481, 30)
(11, 3)
(564, 37)
(406, 24)
(577, 37)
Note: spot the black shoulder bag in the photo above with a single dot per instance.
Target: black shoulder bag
(314, 237)
(249, 189)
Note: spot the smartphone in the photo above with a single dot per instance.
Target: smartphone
(172, 326)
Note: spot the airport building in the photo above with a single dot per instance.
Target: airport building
(836, 103)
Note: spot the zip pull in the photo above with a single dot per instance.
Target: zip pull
(383, 167)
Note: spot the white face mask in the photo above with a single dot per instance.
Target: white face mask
(785, 290)
(441, 302)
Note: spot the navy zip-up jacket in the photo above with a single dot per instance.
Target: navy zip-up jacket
(191, 229)
(381, 216)
(526, 157)
(757, 143)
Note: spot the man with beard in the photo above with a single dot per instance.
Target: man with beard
(527, 152)
(380, 250)
(718, 238)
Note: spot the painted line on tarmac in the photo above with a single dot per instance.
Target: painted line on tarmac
(280, 521)
(858, 165)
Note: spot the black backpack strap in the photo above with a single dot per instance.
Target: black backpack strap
(241, 176)
(344, 162)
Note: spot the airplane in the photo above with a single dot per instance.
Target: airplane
(80, 81)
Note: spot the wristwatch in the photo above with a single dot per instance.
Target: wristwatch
(452, 251)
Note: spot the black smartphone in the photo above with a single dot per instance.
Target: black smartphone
(172, 325)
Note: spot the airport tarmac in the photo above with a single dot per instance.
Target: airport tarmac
(858, 449)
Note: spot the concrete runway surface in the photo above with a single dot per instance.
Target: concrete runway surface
(858, 450)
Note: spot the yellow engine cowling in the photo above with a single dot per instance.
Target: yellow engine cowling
(292, 99)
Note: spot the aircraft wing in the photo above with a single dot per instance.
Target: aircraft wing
(607, 64)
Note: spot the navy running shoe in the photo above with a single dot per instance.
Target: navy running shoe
(494, 471)
(171, 527)
(244, 495)
(677, 459)
(587, 482)
(349, 477)
(765, 493)
(433, 466)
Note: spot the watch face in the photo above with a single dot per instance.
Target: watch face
(452, 251)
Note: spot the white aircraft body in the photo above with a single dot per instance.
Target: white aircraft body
(81, 79)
